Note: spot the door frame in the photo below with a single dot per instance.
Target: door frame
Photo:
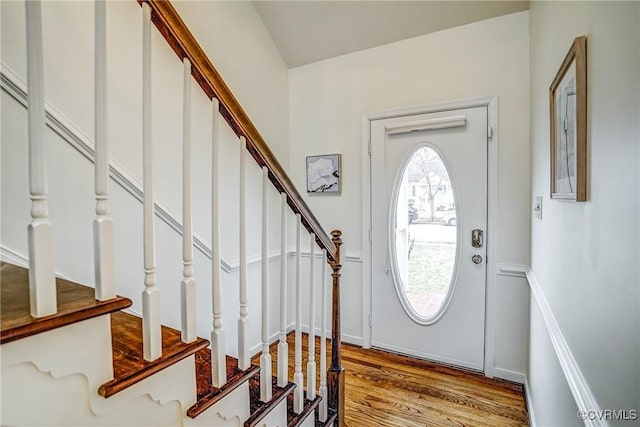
(491, 102)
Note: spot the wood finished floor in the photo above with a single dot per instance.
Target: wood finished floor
(389, 390)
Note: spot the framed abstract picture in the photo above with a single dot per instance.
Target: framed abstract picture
(324, 174)
(568, 108)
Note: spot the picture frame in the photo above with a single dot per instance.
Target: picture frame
(324, 174)
(568, 111)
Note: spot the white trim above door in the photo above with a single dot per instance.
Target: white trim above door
(492, 208)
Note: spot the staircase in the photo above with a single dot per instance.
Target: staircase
(74, 354)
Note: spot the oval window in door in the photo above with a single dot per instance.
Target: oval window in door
(423, 235)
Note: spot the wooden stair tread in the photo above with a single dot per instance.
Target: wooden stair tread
(331, 418)
(293, 419)
(259, 410)
(75, 303)
(207, 395)
(129, 366)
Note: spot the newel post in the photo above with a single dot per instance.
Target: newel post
(336, 371)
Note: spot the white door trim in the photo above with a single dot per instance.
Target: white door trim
(491, 102)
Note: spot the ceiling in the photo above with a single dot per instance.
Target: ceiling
(307, 31)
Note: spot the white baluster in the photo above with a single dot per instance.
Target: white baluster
(298, 376)
(42, 282)
(311, 362)
(151, 332)
(218, 345)
(188, 284)
(103, 243)
(243, 328)
(265, 358)
(283, 346)
(322, 390)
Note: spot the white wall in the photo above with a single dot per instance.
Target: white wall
(249, 61)
(241, 49)
(549, 396)
(585, 255)
(328, 98)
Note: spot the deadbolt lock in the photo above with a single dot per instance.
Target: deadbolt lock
(476, 238)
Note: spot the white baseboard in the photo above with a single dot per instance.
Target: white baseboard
(352, 339)
(527, 395)
(13, 257)
(256, 349)
(505, 374)
(8, 255)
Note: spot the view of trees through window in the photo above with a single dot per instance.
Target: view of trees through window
(426, 232)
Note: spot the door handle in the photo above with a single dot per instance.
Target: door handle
(476, 238)
(477, 259)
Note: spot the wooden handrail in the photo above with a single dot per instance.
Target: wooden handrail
(184, 44)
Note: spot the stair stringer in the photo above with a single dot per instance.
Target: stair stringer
(80, 348)
(84, 348)
(48, 400)
(310, 421)
(233, 409)
(277, 417)
(73, 361)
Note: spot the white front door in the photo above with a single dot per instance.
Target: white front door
(429, 218)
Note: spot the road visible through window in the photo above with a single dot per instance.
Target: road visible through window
(425, 234)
